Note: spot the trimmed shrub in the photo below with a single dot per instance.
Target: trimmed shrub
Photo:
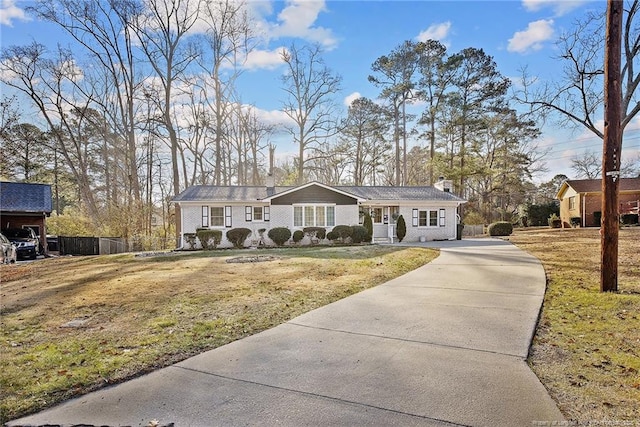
(190, 239)
(342, 232)
(401, 228)
(500, 228)
(279, 235)
(360, 234)
(368, 224)
(209, 239)
(575, 221)
(237, 236)
(298, 235)
(332, 236)
(315, 233)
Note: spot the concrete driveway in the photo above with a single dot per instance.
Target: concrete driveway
(442, 345)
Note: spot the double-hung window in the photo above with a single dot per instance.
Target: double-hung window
(427, 218)
(314, 216)
(217, 216)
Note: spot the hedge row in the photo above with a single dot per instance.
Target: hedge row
(210, 239)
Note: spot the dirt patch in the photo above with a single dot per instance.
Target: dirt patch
(255, 258)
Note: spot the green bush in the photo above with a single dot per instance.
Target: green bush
(298, 235)
(500, 228)
(315, 232)
(279, 235)
(342, 232)
(237, 236)
(555, 221)
(538, 215)
(401, 228)
(209, 239)
(368, 223)
(360, 234)
(332, 236)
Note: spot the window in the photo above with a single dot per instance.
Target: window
(217, 217)
(314, 216)
(258, 214)
(429, 218)
(572, 202)
(376, 215)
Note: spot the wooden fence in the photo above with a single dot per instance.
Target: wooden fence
(91, 245)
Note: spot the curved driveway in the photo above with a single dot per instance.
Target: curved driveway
(442, 345)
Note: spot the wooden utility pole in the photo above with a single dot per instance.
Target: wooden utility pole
(611, 148)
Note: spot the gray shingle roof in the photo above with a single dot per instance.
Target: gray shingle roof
(248, 193)
(399, 193)
(25, 197)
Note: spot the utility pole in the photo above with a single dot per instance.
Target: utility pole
(611, 149)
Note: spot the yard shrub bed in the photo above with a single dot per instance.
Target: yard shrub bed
(143, 313)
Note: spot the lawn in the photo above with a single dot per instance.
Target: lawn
(587, 347)
(74, 324)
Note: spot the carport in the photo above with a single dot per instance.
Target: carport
(25, 204)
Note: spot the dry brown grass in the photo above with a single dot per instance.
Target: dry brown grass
(587, 346)
(139, 314)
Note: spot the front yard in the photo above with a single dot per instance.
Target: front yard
(71, 325)
(587, 347)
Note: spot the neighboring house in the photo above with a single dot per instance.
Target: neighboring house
(581, 200)
(26, 205)
(429, 212)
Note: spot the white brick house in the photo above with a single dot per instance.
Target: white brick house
(430, 213)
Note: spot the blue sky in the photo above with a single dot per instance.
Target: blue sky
(517, 33)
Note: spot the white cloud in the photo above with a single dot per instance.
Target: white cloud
(297, 20)
(532, 38)
(9, 11)
(264, 59)
(350, 98)
(435, 32)
(560, 7)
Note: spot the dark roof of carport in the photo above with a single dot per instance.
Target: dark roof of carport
(25, 197)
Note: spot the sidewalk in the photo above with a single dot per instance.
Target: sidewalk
(444, 345)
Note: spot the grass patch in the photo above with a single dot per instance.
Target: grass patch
(72, 325)
(587, 346)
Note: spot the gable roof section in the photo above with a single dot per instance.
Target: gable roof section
(311, 184)
(25, 197)
(595, 185)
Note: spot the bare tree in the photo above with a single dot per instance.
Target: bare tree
(577, 97)
(162, 28)
(588, 165)
(49, 83)
(229, 36)
(309, 86)
(103, 30)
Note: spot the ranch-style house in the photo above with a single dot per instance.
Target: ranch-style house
(430, 212)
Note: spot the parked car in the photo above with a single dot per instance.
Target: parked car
(25, 241)
(8, 252)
